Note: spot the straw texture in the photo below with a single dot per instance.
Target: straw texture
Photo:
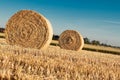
(29, 29)
(71, 40)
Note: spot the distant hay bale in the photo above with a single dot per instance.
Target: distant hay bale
(71, 40)
(29, 29)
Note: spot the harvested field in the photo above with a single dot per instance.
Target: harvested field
(2, 35)
(94, 48)
(103, 49)
(56, 64)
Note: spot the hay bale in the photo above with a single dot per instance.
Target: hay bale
(71, 40)
(28, 29)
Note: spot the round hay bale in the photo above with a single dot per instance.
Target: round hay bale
(28, 29)
(71, 40)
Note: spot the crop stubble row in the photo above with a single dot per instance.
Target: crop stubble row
(56, 64)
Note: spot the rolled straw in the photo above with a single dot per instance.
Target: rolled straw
(71, 40)
(29, 29)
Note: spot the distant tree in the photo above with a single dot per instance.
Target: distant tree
(55, 37)
(95, 42)
(2, 30)
(109, 45)
(86, 40)
(103, 44)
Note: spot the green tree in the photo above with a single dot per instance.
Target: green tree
(86, 40)
(95, 42)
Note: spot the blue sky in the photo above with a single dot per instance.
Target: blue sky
(95, 19)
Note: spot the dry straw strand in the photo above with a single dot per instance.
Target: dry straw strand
(29, 29)
(71, 40)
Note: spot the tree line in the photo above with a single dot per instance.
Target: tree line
(96, 42)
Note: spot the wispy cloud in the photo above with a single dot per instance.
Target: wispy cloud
(111, 22)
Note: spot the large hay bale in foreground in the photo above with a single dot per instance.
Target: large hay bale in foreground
(29, 29)
(71, 40)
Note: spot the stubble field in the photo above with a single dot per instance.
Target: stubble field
(17, 63)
